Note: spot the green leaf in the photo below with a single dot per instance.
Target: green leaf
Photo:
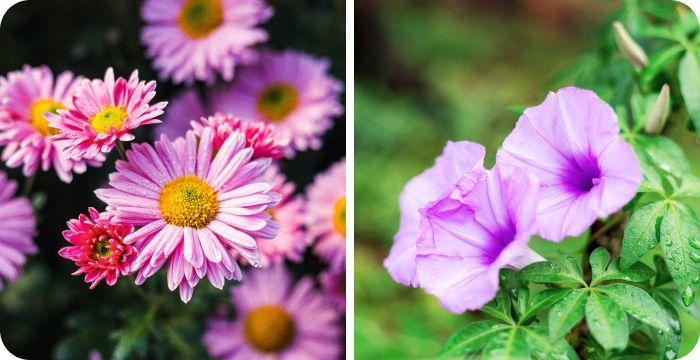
(674, 297)
(662, 275)
(543, 300)
(548, 272)
(570, 264)
(640, 234)
(599, 259)
(637, 303)
(523, 301)
(499, 307)
(666, 154)
(542, 347)
(567, 312)
(660, 60)
(636, 273)
(680, 231)
(689, 78)
(607, 321)
(472, 337)
(690, 187)
(507, 345)
(133, 336)
(669, 341)
(661, 33)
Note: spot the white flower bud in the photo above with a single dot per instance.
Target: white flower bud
(629, 48)
(656, 118)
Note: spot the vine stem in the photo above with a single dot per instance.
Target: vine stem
(120, 150)
(619, 217)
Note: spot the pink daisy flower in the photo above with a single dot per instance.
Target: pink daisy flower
(325, 214)
(17, 227)
(25, 97)
(104, 112)
(291, 90)
(98, 247)
(198, 39)
(192, 209)
(182, 108)
(263, 138)
(333, 283)
(276, 320)
(291, 239)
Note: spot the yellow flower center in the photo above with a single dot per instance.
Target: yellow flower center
(339, 216)
(188, 201)
(278, 101)
(101, 249)
(269, 329)
(107, 118)
(37, 111)
(198, 18)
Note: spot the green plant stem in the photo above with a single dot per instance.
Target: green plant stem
(617, 219)
(120, 150)
(28, 184)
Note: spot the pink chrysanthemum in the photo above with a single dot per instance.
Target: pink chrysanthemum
(333, 283)
(192, 210)
(98, 247)
(291, 239)
(104, 112)
(325, 214)
(182, 108)
(276, 320)
(198, 39)
(263, 138)
(17, 227)
(25, 97)
(291, 90)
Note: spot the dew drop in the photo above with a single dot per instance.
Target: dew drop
(695, 257)
(688, 296)
(694, 242)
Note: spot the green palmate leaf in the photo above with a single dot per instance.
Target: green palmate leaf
(507, 345)
(660, 60)
(567, 312)
(472, 337)
(680, 231)
(641, 106)
(607, 321)
(635, 273)
(570, 264)
(689, 78)
(641, 233)
(669, 341)
(665, 154)
(662, 275)
(544, 348)
(690, 187)
(548, 272)
(672, 296)
(661, 33)
(637, 303)
(499, 307)
(543, 300)
(523, 301)
(599, 259)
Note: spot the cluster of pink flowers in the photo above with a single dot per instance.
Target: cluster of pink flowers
(563, 166)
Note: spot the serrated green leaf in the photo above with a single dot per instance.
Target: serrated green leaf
(599, 259)
(544, 348)
(472, 337)
(607, 322)
(499, 307)
(637, 303)
(640, 234)
(636, 273)
(543, 300)
(547, 272)
(660, 60)
(679, 229)
(689, 79)
(567, 312)
(507, 345)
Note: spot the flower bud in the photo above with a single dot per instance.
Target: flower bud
(629, 48)
(656, 119)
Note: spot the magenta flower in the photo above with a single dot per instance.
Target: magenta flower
(263, 138)
(17, 227)
(198, 39)
(291, 239)
(192, 208)
(25, 97)
(572, 143)
(98, 247)
(478, 226)
(276, 320)
(333, 284)
(325, 214)
(103, 112)
(456, 160)
(291, 90)
(183, 108)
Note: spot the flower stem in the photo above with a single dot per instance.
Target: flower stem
(120, 150)
(28, 184)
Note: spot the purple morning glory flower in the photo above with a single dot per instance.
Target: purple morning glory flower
(572, 143)
(456, 160)
(482, 224)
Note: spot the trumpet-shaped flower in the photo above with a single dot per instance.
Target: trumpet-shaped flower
(572, 143)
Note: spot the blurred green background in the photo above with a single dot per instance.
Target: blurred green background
(432, 71)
